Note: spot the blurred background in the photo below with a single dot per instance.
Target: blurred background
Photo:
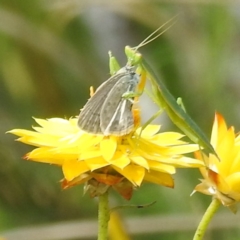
(51, 52)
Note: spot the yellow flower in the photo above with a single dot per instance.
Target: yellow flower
(222, 176)
(103, 161)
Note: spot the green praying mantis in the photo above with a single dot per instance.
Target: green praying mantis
(162, 97)
(109, 110)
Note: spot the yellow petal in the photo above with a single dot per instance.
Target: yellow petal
(33, 138)
(57, 127)
(218, 181)
(218, 131)
(120, 160)
(182, 149)
(168, 138)
(108, 148)
(46, 155)
(140, 161)
(235, 162)
(96, 163)
(188, 163)
(159, 178)
(133, 173)
(23, 132)
(233, 180)
(149, 131)
(72, 169)
(93, 153)
(225, 150)
(161, 167)
(87, 141)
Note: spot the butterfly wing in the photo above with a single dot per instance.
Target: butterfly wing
(89, 118)
(116, 116)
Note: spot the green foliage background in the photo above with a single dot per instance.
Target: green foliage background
(52, 51)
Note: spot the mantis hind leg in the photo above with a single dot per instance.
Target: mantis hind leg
(179, 102)
(150, 120)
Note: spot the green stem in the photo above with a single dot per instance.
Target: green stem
(103, 216)
(213, 207)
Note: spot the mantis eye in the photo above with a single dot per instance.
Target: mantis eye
(133, 56)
